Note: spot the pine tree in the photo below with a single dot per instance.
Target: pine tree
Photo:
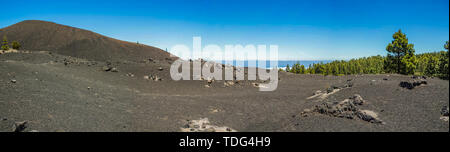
(5, 45)
(432, 66)
(302, 69)
(400, 58)
(443, 62)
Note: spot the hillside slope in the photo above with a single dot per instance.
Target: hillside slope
(35, 35)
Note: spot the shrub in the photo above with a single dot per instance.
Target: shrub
(15, 45)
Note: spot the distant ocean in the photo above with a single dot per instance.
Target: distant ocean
(282, 64)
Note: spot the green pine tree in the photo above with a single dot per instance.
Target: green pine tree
(400, 58)
(5, 45)
(443, 62)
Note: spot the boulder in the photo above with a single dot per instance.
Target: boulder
(444, 111)
(130, 74)
(154, 78)
(347, 108)
(357, 99)
(255, 84)
(228, 83)
(349, 85)
(330, 89)
(369, 116)
(114, 70)
(210, 81)
(20, 126)
(317, 92)
(106, 68)
(411, 84)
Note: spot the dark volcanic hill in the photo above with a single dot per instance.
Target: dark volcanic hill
(35, 35)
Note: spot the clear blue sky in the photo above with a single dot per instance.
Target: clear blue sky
(307, 30)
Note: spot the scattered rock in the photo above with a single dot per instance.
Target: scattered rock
(347, 108)
(156, 78)
(203, 125)
(444, 111)
(255, 84)
(330, 89)
(13, 81)
(369, 116)
(106, 68)
(210, 130)
(130, 74)
(418, 77)
(153, 77)
(349, 85)
(214, 111)
(304, 113)
(228, 83)
(411, 84)
(210, 81)
(114, 70)
(317, 92)
(160, 68)
(307, 110)
(357, 99)
(20, 126)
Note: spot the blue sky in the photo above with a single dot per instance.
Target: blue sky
(306, 30)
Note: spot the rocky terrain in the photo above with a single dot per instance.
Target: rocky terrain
(46, 88)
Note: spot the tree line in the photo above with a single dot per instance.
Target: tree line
(400, 58)
(5, 44)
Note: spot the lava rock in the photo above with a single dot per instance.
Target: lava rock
(153, 77)
(130, 74)
(369, 116)
(444, 111)
(106, 68)
(317, 92)
(20, 126)
(114, 70)
(357, 99)
(411, 84)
